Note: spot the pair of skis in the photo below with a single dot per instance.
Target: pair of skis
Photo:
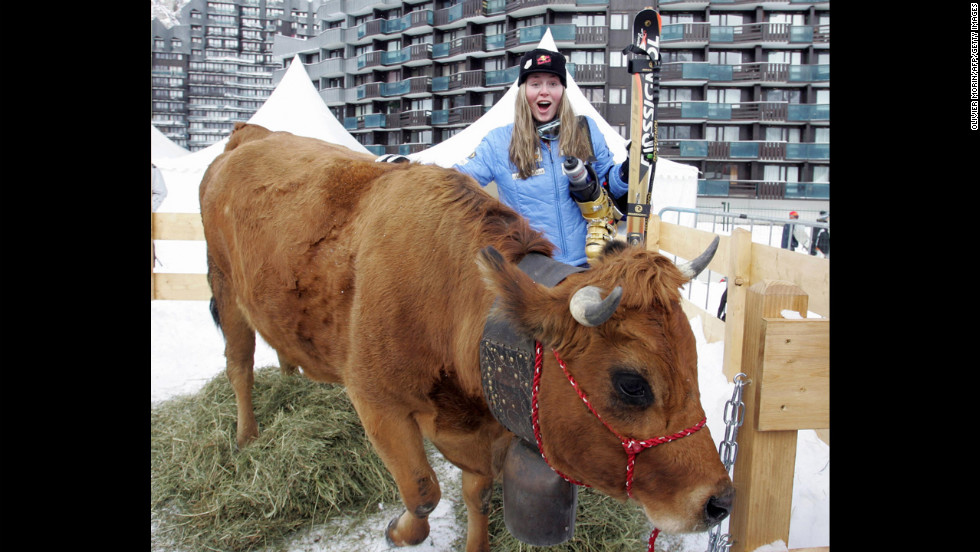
(644, 64)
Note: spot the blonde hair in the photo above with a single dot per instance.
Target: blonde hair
(525, 142)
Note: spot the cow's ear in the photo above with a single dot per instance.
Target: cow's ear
(533, 309)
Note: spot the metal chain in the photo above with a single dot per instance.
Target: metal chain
(728, 451)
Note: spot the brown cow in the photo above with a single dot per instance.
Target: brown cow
(380, 276)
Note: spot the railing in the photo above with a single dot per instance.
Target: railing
(762, 189)
(761, 150)
(751, 111)
(745, 72)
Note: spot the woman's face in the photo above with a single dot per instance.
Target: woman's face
(544, 92)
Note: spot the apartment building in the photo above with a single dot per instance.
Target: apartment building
(745, 85)
(215, 68)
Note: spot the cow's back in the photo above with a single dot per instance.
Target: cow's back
(278, 213)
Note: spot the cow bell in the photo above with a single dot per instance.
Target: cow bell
(539, 505)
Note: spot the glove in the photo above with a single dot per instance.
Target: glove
(392, 158)
(646, 151)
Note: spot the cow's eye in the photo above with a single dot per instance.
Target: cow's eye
(632, 389)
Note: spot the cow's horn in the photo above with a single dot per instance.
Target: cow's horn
(589, 309)
(694, 267)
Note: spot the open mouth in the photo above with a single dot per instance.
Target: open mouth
(544, 106)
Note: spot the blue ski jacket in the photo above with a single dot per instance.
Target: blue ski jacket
(543, 198)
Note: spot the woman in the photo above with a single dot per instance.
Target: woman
(525, 158)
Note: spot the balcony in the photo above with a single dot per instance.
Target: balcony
(460, 82)
(456, 16)
(743, 111)
(421, 20)
(524, 8)
(458, 116)
(769, 34)
(370, 121)
(505, 77)
(587, 74)
(418, 86)
(700, 72)
(416, 54)
(414, 119)
(757, 189)
(744, 150)
(564, 35)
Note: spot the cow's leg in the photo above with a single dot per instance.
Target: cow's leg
(239, 354)
(397, 439)
(285, 367)
(477, 492)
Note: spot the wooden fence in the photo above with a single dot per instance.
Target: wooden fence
(171, 286)
(786, 361)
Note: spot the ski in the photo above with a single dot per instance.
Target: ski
(644, 65)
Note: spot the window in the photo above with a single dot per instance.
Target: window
(675, 56)
(724, 95)
(821, 173)
(781, 173)
(722, 133)
(725, 58)
(581, 20)
(791, 18)
(676, 95)
(494, 64)
(783, 134)
(675, 132)
(791, 95)
(617, 59)
(620, 22)
(594, 95)
(726, 19)
(793, 57)
(677, 18)
(618, 96)
(530, 22)
(588, 57)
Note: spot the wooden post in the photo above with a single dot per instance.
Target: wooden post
(653, 233)
(738, 280)
(763, 474)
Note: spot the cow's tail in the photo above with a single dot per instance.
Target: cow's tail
(213, 306)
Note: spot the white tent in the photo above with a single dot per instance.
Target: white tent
(294, 106)
(162, 147)
(675, 184)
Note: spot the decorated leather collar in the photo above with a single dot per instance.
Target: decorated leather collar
(507, 355)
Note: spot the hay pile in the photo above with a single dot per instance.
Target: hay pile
(602, 524)
(310, 462)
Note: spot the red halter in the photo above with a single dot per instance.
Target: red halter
(631, 446)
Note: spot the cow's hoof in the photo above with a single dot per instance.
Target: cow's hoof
(388, 530)
(417, 531)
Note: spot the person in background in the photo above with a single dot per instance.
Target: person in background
(789, 238)
(822, 242)
(525, 158)
(158, 189)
